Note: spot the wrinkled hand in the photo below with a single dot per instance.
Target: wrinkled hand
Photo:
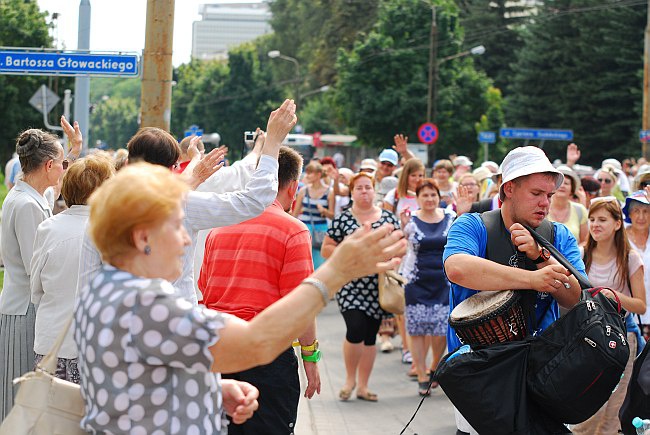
(367, 252)
(313, 379)
(281, 121)
(260, 137)
(572, 154)
(74, 135)
(524, 242)
(193, 150)
(239, 399)
(550, 279)
(400, 143)
(211, 163)
(462, 199)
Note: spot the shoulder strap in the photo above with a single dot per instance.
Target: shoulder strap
(481, 206)
(578, 210)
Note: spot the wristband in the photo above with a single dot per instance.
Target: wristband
(321, 287)
(314, 357)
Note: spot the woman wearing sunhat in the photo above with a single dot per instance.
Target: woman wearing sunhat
(564, 210)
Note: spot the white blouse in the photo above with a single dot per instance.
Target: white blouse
(645, 255)
(23, 210)
(54, 273)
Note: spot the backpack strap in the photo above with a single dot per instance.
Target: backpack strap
(481, 206)
(501, 250)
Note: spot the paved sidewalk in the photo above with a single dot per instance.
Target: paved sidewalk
(325, 414)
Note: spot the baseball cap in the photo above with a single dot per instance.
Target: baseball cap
(390, 156)
(638, 196)
(368, 164)
(462, 161)
(492, 166)
(524, 161)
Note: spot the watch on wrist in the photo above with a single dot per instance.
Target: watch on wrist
(314, 357)
(544, 255)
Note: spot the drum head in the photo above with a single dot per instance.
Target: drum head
(481, 304)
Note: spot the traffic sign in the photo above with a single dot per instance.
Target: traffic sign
(44, 100)
(536, 133)
(428, 133)
(487, 136)
(644, 135)
(193, 130)
(68, 63)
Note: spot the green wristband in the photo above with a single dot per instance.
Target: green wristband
(314, 357)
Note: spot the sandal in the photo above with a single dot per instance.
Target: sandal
(344, 395)
(368, 397)
(423, 389)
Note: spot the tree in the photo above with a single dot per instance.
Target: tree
(22, 24)
(114, 121)
(497, 25)
(580, 68)
(382, 86)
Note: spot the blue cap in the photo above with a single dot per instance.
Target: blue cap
(390, 156)
(638, 196)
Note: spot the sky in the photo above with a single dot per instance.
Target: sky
(119, 25)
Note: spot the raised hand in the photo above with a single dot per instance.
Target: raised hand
(193, 150)
(208, 165)
(74, 135)
(400, 143)
(281, 121)
(572, 154)
(462, 199)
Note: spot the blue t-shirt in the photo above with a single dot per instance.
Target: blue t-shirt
(468, 235)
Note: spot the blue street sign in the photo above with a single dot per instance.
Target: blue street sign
(644, 135)
(193, 130)
(68, 63)
(536, 133)
(487, 136)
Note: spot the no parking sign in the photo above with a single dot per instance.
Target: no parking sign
(428, 133)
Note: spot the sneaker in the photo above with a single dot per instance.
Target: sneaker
(386, 346)
(406, 357)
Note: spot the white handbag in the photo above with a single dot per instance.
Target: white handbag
(44, 403)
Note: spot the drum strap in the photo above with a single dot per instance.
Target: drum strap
(501, 250)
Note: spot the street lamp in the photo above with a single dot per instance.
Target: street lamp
(324, 88)
(273, 54)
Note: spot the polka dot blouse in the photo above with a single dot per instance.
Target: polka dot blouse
(144, 358)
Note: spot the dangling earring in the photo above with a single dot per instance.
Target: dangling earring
(147, 250)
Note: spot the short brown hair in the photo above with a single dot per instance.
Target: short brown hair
(84, 176)
(289, 166)
(140, 195)
(314, 166)
(185, 144)
(358, 175)
(444, 164)
(154, 145)
(427, 183)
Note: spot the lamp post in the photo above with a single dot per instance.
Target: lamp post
(324, 88)
(273, 54)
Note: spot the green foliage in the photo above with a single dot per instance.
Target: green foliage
(496, 25)
(582, 71)
(493, 120)
(383, 80)
(225, 98)
(114, 121)
(21, 25)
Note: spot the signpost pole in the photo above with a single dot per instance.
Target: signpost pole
(82, 84)
(485, 149)
(46, 111)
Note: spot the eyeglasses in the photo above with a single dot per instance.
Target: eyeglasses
(644, 184)
(605, 180)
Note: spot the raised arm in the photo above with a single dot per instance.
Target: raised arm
(401, 147)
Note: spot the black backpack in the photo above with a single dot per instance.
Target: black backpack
(576, 363)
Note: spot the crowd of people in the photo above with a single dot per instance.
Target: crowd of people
(190, 283)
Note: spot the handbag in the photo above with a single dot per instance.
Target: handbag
(44, 403)
(391, 292)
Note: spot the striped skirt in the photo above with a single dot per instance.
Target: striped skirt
(17, 354)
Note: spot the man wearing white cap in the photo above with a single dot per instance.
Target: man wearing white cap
(529, 181)
(462, 165)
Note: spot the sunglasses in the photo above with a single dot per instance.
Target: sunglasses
(644, 184)
(605, 180)
(611, 199)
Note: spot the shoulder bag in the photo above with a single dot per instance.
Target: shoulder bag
(45, 404)
(391, 292)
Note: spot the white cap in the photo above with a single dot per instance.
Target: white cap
(492, 166)
(613, 162)
(368, 164)
(462, 161)
(524, 161)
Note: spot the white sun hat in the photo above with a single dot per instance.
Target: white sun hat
(524, 161)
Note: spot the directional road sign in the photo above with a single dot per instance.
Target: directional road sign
(68, 63)
(193, 130)
(536, 133)
(644, 135)
(428, 133)
(487, 136)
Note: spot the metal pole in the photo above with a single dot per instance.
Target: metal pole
(156, 100)
(646, 82)
(45, 112)
(485, 145)
(67, 99)
(82, 84)
(433, 70)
